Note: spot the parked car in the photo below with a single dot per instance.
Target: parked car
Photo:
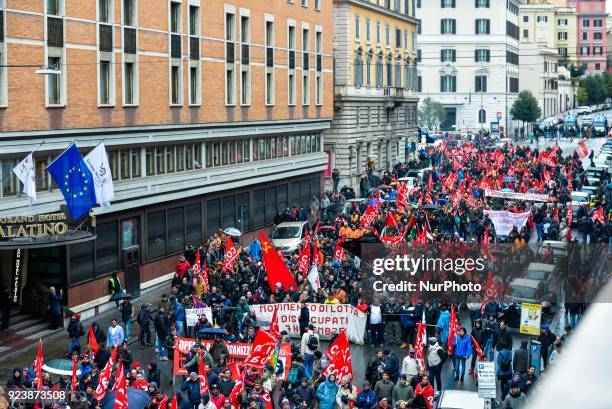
(289, 235)
(583, 110)
(524, 290)
(540, 271)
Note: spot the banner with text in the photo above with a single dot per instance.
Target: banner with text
(530, 197)
(238, 353)
(504, 220)
(192, 315)
(327, 319)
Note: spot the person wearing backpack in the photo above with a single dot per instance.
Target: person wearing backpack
(309, 344)
(296, 373)
(504, 366)
(435, 356)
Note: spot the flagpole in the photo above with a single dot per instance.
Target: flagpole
(68, 147)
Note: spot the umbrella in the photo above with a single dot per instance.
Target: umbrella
(507, 189)
(136, 399)
(211, 331)
(232, 231)
(121, 295)
(60, 367)
(430, 207)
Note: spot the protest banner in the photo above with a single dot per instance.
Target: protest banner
(238, 352)
(327, 319)
(193, 314)
(504, 220)
(529, 197)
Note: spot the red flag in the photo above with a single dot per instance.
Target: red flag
(231, 254)
(267, 400)
(174, 404)
(119, 377)
(197, 264)
(304, 259)
(236, 373)
(317, 258)
(73, 381)
(490, 288)
(421, 340)
(556, 214)
(485, 245)
(307, 236)
(569, 215)
(105, 375)
(316, 230)
(276, 269)
(582, 150)
(390, 223)
(368, 217)
(339, 356)
(263, 346)
(234, 393)
(430, 182)
(38, 364)
(93, 343)
(402, 195)
(453, 329)
(274, 328)
(339, 252)
(121, 396)
(204, 272)
(203, 379)
(476, 347)
(598, 215)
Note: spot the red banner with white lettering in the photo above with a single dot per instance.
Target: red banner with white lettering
(368, 217)
(339, 356)
(231, 254)
(263, 346)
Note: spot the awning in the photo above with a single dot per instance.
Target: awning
(71, 237)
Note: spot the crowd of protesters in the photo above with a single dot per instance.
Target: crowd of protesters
(444, 211)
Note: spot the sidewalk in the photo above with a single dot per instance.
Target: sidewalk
(55, 345)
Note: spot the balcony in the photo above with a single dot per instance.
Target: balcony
(393, 96)
(55, 32)
(106, 38)
(129, 40)
(175, 46)
(194, 48)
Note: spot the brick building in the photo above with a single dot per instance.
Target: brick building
(212, 113)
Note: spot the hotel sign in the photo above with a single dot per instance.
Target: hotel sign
(32, 226)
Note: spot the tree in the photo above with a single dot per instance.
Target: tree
(431, 113)
(525, 108)
(595, 87)
(576, 72)
(581, 96)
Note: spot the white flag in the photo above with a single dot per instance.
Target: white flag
(97, 163)
(25, 173)
(313, 278)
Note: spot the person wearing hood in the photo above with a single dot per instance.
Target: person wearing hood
(520, 360)
(345, 398)
(462, 347)
(443, 325)
(504, 368)
(366, 398)
(99, 333)
(327, 391)
(191, 385)
(154, 373)
(546, 339)
(16, 381)
(305, 394)
(515, 399)
(480, 335)
(402, 392)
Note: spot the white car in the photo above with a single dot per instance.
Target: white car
(289, 235)
(583, 110)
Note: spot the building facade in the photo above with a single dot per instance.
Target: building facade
(469, 60)
(375, 83)
(212, 114)
(591, 34)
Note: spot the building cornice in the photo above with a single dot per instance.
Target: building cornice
(381, 10)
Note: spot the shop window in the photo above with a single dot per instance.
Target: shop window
(270, 204)
(156, 234)
(107, 248)
(259, 208)
(81, 262)
(229, 212)
(176, 230)
(213, 216)
(129, 232)
(193, 224)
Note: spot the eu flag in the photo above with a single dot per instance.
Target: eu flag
(74, 180)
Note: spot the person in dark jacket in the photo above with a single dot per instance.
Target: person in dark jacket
(154, 373)
(520, 360)
(75, 332)
(431, 319)
(304, 319)
(480, 335)
(144, 321)
(529, 379)
(225, 383)
(102, 357)
(126, 356)
(305, 394)
(546, 339)
(99, 333)
(392, 365)
(503, 337)
(366, 398)
(409, 316)
(161, 329)
(191, 385)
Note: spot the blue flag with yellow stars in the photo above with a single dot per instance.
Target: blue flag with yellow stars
(75, 181)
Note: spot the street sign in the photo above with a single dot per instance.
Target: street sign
(487, 387)
(531, 318)
(499, 116)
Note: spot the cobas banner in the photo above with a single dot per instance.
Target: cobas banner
(238, 353)
(327, 319)
(504, 220)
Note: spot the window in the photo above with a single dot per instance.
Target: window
(398, 74)
(305, 66)
(448, 55)
(317, 5)
(377, 32)
(389, 72)
(368, 28)
(388, 35)
(597, 50)
(105, 83)
(562, 35)
(129, 84)
(269, 38)
(156, 234)
(448, 26)
(175, 17)
(598, 23)
(129, 12)
(585, 50)
(562, 21)
(482, 116)
(448, 83)
(175, 84)
(176, 230)
(447, 4)
(525, 19)
(194, 86)
(379, 72)
(357, 28)
(213, 215)
(292, 83)
(585, 35)
(418, 58)
(398, 38)
(542, 19)
(562, 51)
(483, 26)
(230, 59)
(318, 68)
(406, 39)
(525, 33)
(513, 84)
(597, 66)
(245, 70)
(482, 4)
(586, 23)
(482, 55)
(53, 7)
(481, 83)
(104, 11)
(512, 57)
(598, 35)
(512, 30)
(304, 3)
(54, 83)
